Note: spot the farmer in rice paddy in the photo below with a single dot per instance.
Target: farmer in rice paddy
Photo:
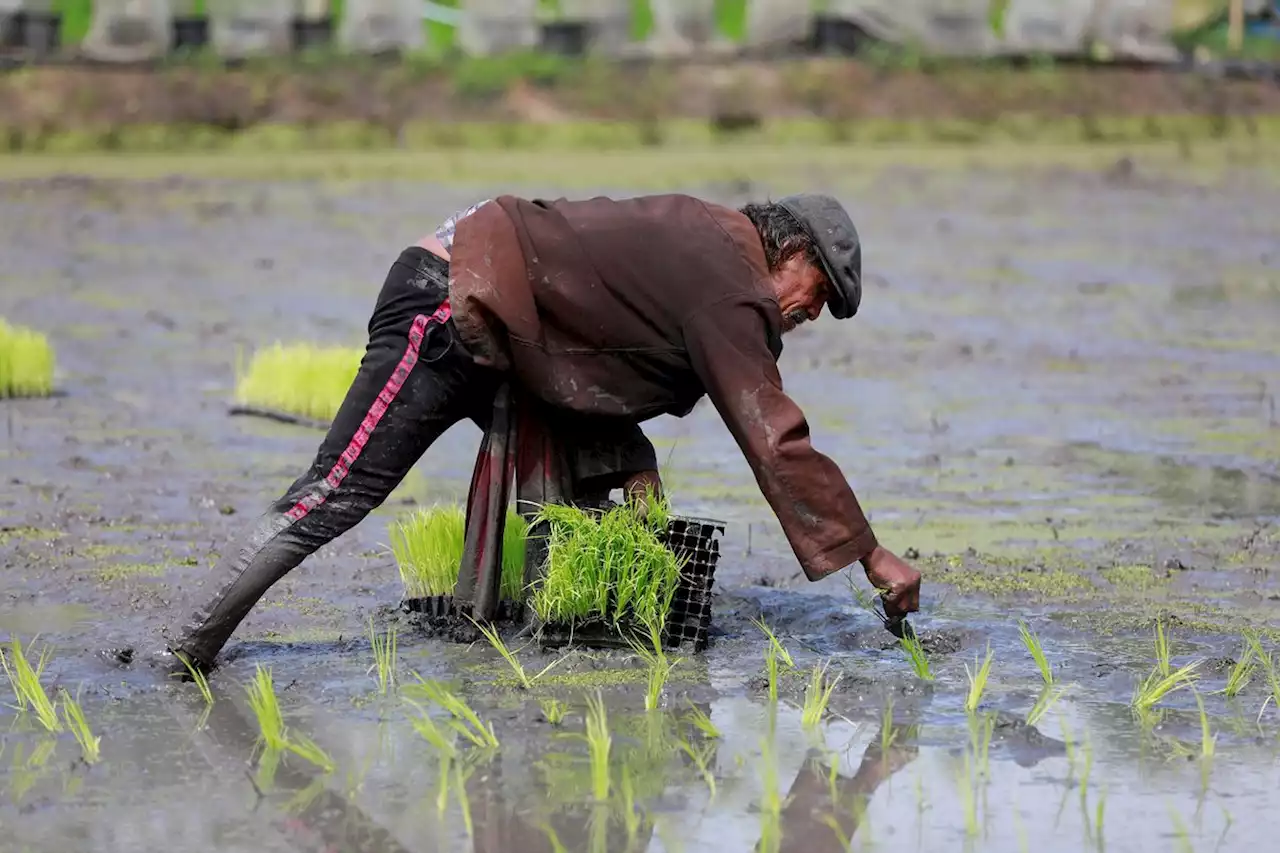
(597, 315)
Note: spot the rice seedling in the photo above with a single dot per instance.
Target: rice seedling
(817, 695)
(699, 720)
(1036, 650)
(1270, 669)
(464, 720)
(310, 751)
(701, 759)
(1048, 697)
(1241, 671)
(1163, 679)
(25, 681)
(553, 710)
(632, 817)
(523, 678)
(266, 707)
(298, 379)
(428, 545)
(384, 656)
(1208, 740)
(26, 362)
(444, 743)
(1156, 686)
(770, 799)
(888, 732)
(79, 726)
(200, 680)
(977, 681)
(609, 567)
(916, 655)
(1162, 649)
(599, 743)
(773, 653)
(658, 663)
(1180, 832)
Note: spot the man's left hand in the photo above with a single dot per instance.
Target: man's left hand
(900, 582)
(639, 487)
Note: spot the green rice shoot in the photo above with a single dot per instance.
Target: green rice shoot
(428, 545)
(599, 743)
(916, 657)
(199, 678)
(698, 719)
(610, 567)
(384, 656)
(553, 710)
(464, 720)
(266, 707)
(1208, 740)
(658, 663)
(1047, 699)
(701, 759)
(525, 680)
(26, 362)
(1036, 650)
(25, 681)
(817, 695)
(1270, 669)
(74, 716)
(302, 379)
(977, 681)
(1241, 672)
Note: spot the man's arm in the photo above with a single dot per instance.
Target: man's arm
(823, 521)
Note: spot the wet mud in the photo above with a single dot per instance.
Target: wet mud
(1058, 400)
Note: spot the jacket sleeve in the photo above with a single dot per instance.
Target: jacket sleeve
(728, 348)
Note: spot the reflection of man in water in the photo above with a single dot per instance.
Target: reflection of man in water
(600, 314)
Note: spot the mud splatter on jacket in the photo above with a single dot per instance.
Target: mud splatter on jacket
(639, 307)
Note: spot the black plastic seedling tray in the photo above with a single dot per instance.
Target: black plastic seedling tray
(695, 541)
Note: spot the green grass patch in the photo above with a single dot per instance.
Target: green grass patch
(298, 379)
(123, 571)
(26, 362)
(1134, 578)
(609, 566)
(428, 547)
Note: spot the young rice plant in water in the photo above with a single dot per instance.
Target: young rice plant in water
(599, 743)
(26, 362)
(977, 681)
(916, 655)
(817, 695)
(299, 379)
(428, 545)
(611, 567)
(526, 681)
(74, 716)
(1036, 650)
(25, 680)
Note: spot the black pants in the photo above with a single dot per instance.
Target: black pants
(415, 381)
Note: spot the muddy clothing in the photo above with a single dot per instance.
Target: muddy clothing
(416, 380)
(637, 308)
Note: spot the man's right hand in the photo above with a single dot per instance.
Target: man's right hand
(900, 583)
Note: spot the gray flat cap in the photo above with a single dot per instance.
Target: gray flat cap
(836, 239)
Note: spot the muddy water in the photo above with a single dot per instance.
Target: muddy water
(1059, 396)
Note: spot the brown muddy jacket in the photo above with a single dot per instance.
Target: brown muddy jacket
(638, 307)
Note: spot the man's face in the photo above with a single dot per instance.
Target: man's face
(802, 291)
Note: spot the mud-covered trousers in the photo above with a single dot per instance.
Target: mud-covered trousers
(416, 380)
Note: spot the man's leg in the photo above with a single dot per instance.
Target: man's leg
(414, 382)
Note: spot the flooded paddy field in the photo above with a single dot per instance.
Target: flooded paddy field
(1058, 400)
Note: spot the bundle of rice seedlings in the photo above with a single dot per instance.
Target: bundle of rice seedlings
(428, 546)
(26, 362)
(609, 566)
(298, 379)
